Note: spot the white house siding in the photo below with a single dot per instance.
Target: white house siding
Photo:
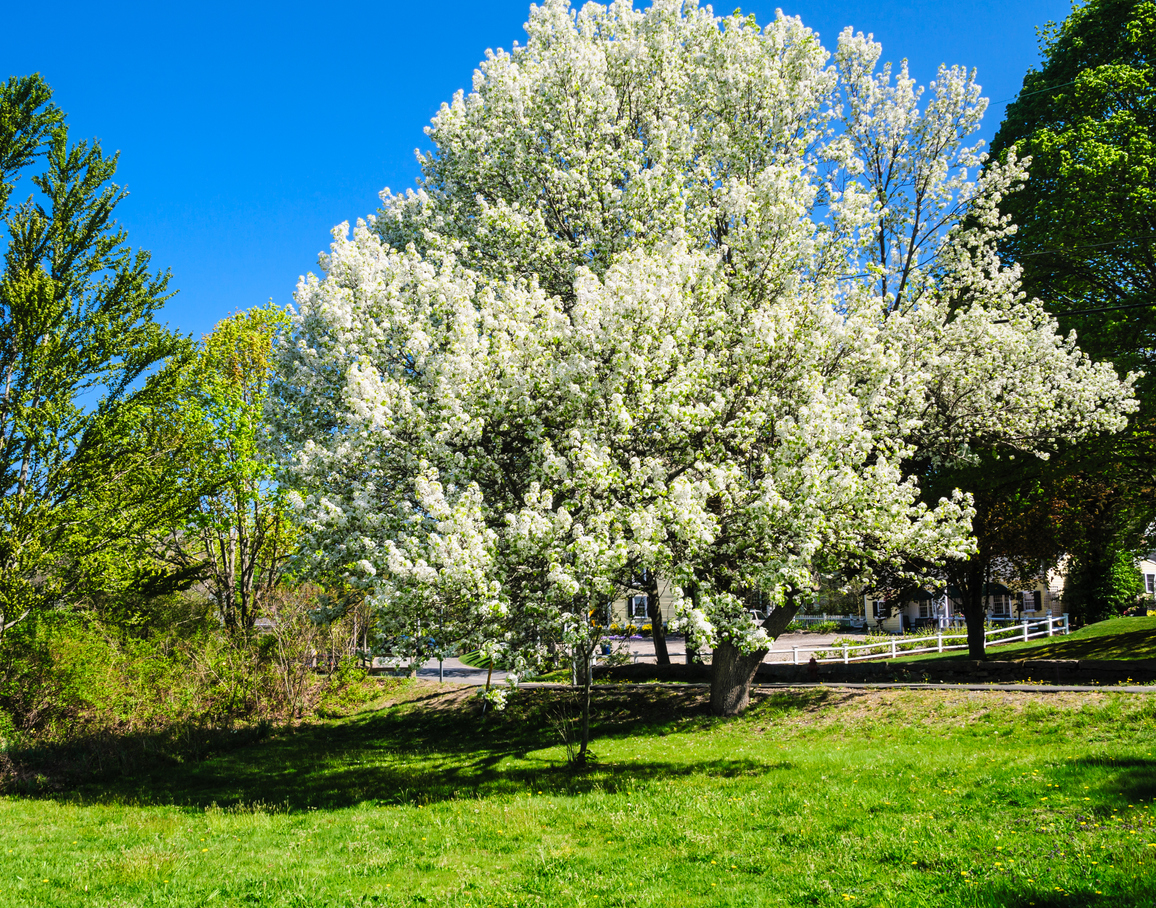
(620, 609)
(1148, 572)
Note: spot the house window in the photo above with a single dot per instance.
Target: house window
(637, 606)
(1031, 600)
(924, 608)
(1000, 605)
(880, 610)
(1150, 584)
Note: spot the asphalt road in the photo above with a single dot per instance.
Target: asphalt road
(642, 650)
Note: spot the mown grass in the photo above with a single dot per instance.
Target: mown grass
(1114, 639)
(814, 797)
(475, 659)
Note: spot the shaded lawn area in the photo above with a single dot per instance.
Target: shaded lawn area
(814, 797)
(1114, 639)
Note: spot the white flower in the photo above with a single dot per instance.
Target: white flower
(699, 323)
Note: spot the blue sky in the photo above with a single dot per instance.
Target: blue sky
(247, 130)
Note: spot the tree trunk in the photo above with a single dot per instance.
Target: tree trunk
(732, 672)
(969, 578)
(489, 676)
(776, 622)
(689, 642)
(654, 612)
(975, 614)
(583, 755)
(731, 675)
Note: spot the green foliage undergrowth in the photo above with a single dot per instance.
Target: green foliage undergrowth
(79, 699)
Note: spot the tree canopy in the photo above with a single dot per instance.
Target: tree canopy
(673, 294)
(78, 338)
(1087, 215)
(233, 534)
(1085, 241)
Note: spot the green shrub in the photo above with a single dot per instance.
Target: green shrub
(78, 697)
(349, 688)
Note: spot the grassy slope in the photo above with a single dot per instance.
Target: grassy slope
(474, 659)
(1116, 638)
(815, 797)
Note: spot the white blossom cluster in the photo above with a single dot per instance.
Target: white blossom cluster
(675, 292)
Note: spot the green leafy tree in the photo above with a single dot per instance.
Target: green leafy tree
(1087, 215)
(1086, 241)
(237, 535)
(78, 338)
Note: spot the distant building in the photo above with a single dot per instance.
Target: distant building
(944, 607)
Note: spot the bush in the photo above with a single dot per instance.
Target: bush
(812, 627)
(78, 697)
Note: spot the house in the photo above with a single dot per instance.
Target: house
(632, 608)
(1147, 566)
(926, 608)
(922, 608)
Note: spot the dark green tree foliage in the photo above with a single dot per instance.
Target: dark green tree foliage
(1087, 216)
(1086, 240)
(1098, 524)
(78, 339)
(1015, 527)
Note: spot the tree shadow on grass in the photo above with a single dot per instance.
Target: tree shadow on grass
(1131, 779)
(1081, 899)
(434, 747)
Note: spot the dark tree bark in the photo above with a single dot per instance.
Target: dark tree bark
(689, 642)
(969, 580)
(583, 755)
(654, 612)
(732, 672)
(776, 622)
(584, 750)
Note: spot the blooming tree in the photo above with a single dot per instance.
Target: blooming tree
(675, 294)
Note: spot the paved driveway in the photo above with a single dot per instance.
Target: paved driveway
(781, 651)
(452, 670)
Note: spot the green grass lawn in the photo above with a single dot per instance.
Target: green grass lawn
(814, 797)
(474, 659)
(1116, 638)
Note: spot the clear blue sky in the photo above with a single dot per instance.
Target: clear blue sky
(247, 130)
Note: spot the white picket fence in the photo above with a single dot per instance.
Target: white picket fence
(900, 646)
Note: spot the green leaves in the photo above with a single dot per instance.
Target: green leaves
(1087, 216)
(235, 527)
(1086, 240)
(77, 336)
